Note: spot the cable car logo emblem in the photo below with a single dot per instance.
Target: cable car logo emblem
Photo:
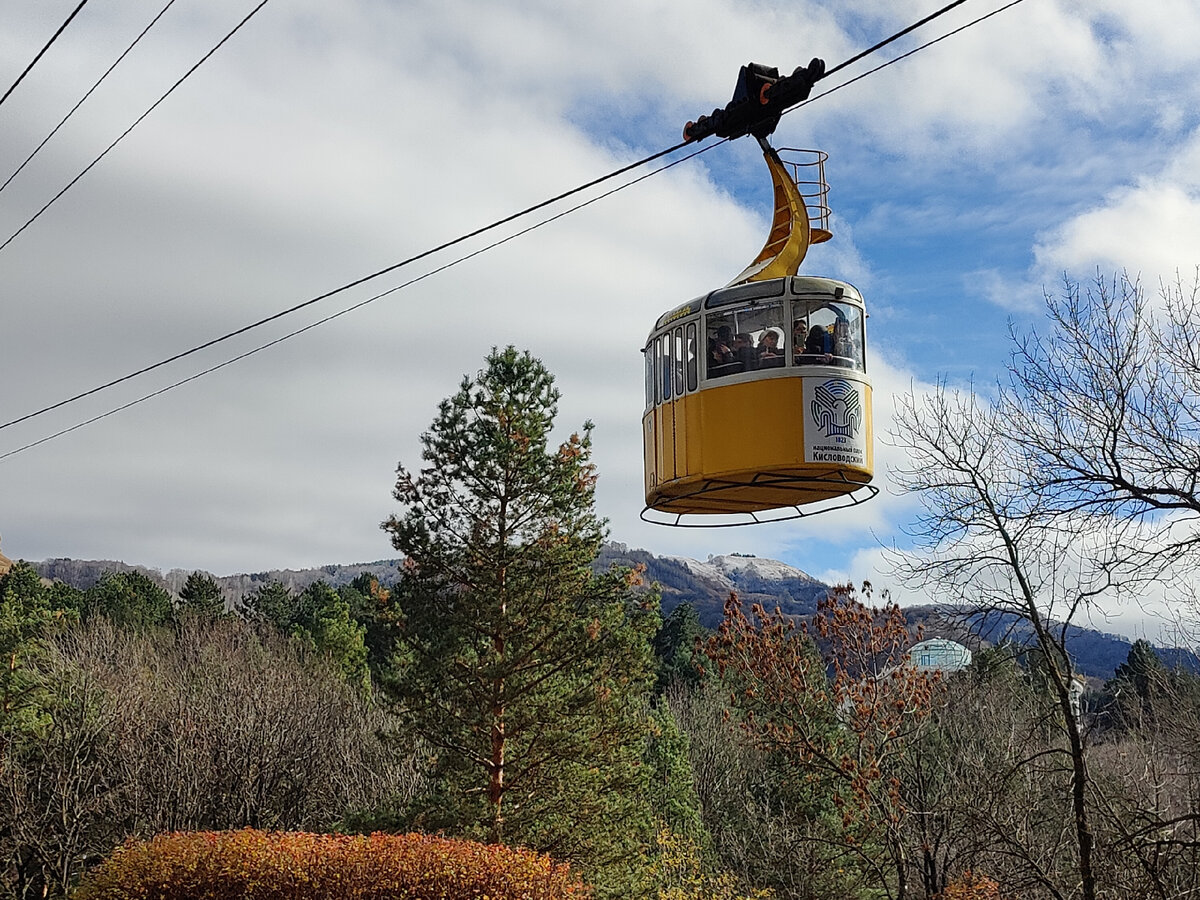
(837, 409)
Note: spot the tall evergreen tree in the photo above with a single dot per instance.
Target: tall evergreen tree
(26, 616)
(1138, 682)
(675, 647)
(271, 605)
(670, 783)
(202, 596)
(370, 606)
(525, 669)
(129, 600)
(322, 621)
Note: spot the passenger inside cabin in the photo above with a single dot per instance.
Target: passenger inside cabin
(743, 351)
(722, 360)
(842, 345)
(799, 333)
(721, 352)
(818, 346)
(769, 353)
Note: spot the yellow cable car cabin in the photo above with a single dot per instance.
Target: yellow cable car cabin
(757, 395)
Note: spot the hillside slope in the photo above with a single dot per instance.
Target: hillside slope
(704, 584)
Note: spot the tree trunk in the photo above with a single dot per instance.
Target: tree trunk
(499, 736)
(1079, 774)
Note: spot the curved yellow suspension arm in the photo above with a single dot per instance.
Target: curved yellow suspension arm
(789, 238)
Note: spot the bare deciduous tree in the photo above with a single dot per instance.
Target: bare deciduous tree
(202, 726)
(985, 539)
(982, 793)
(1106, 404)
(1078, 482)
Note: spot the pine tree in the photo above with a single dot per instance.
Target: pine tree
(322, 622)
(271, 605)
(26, 617)
(675, 647)
(670, 785)
(128, 600)
(202, 596)
(525, 669)
(1138, 682)
(370, 606)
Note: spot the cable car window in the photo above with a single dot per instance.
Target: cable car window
(742, 340)
(743, 292)
(656, 350)
(827, 333)
(691, 356)
(665, 340)
(649, 354)
(678, 377)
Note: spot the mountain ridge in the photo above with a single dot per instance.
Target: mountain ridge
(705, 584)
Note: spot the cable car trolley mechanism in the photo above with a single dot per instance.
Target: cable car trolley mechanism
(758, 404)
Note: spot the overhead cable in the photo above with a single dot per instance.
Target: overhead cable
(28, 68)
(345, 287)
(442, 246)
(897, 59)
(82, 99)
(412, 259)
(137, 122)
(352, 308)
(895, 37)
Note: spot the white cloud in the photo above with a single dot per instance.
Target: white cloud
(1016, 294)
(1150, 227)
(326, 141)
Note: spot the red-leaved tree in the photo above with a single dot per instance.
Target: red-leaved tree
(835, 701)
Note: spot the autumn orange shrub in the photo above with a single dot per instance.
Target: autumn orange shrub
(258, 865)
(971, 886)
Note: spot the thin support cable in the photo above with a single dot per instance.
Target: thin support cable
(895, 37)
(137, 122)
(452, 243)
(91, 90)
(350, 309)
(937, 40)
(28, 68)
(345, 287)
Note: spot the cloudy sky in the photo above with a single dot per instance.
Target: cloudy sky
(326, 141)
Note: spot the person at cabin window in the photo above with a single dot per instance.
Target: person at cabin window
(721, 358)
(799, 334)
(722, 353)
(769, 353)
(743, 350)
(842, 345)
(819, 343)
